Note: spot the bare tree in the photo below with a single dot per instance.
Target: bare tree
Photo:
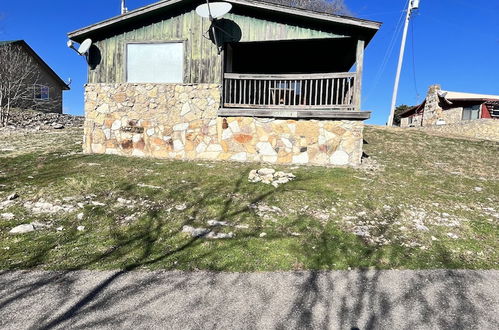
(325, 6)
(19, 76)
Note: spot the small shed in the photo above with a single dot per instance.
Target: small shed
(264, 83)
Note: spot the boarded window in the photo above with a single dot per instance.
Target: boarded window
(155, 63)
(472, 112)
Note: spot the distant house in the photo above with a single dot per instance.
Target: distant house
(266, 83)
(444, 107)
(44, 88)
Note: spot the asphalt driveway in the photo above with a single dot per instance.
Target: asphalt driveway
(434, 299)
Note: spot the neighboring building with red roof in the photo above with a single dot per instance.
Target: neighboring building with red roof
(445, 107)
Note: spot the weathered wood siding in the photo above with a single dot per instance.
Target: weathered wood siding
(202, 63)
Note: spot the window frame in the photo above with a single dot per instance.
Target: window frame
(470, 109)
(148, 42)
(40, 88)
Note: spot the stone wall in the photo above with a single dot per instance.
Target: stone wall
(180, 121)
(487, 129)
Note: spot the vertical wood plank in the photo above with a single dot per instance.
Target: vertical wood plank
(358, 77)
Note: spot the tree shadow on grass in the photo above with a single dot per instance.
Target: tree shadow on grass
(147, 237)
(365, 299)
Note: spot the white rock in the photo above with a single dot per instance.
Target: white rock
(7, 216)
(226, 134)
(216, 223)
(97, 203)
(61, 228)
(287, 143)
(240, 157)
(263, 234)
(181, 127)
(212, 235)
(79, 216)
(452, 235)
(339, 158)
(301, 158)
(80, 228)
(21, 229)
(195, 232)
(421, 227)
(177, 145)
(266, 171)
(150, 131)
(185, 109)
(116, 125)
(138, 153)
(234, 127)
(201, 148)
(242, 226)
(214, 148)
(478, 189)
(180, 207)
(265, 148)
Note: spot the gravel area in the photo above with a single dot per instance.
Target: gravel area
(432, 299)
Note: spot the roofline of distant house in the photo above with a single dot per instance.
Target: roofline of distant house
(38, 59)
(479, 100)
(362, 23)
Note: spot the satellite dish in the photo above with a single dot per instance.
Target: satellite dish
(85, 46)
(213, 10)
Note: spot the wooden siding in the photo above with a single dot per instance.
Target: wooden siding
(202, 63)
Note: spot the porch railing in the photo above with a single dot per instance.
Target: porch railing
(321, 91)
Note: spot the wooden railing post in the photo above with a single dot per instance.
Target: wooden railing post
(358, 78)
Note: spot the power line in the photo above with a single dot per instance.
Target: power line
(414, 63)
(388, 52)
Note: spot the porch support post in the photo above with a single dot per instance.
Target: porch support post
(358, 79)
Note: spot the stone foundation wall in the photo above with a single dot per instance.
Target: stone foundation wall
(451, 116)
(487, 129)
(180, 121)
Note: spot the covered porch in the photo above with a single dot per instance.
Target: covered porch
(294, 78)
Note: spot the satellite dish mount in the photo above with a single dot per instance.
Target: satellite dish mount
(213, 11)
(84, 48)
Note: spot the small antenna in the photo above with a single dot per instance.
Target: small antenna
(124, 9)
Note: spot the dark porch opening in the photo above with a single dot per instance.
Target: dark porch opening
(311, 73)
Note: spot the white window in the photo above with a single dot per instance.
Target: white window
(42, 92)
(472, 112)
(155, 62)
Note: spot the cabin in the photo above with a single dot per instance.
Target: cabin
(442, 107)
(40, 88)
(263, 83)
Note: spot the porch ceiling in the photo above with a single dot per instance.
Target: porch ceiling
(295, 56)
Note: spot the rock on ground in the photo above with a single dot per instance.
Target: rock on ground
(21, 229)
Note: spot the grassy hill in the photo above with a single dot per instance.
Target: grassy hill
(421, 201)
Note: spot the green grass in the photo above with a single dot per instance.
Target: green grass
(321, 209)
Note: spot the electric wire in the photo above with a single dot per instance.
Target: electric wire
(414, 62)
(388, 52)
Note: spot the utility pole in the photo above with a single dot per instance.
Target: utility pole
(413, 5)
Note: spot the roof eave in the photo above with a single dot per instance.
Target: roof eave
(40, 61)
(360, 23)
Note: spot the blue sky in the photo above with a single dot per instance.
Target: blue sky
(451, 42)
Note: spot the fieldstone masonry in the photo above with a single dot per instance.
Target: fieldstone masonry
(180, 121)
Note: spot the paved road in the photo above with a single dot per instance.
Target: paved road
(436, 299)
